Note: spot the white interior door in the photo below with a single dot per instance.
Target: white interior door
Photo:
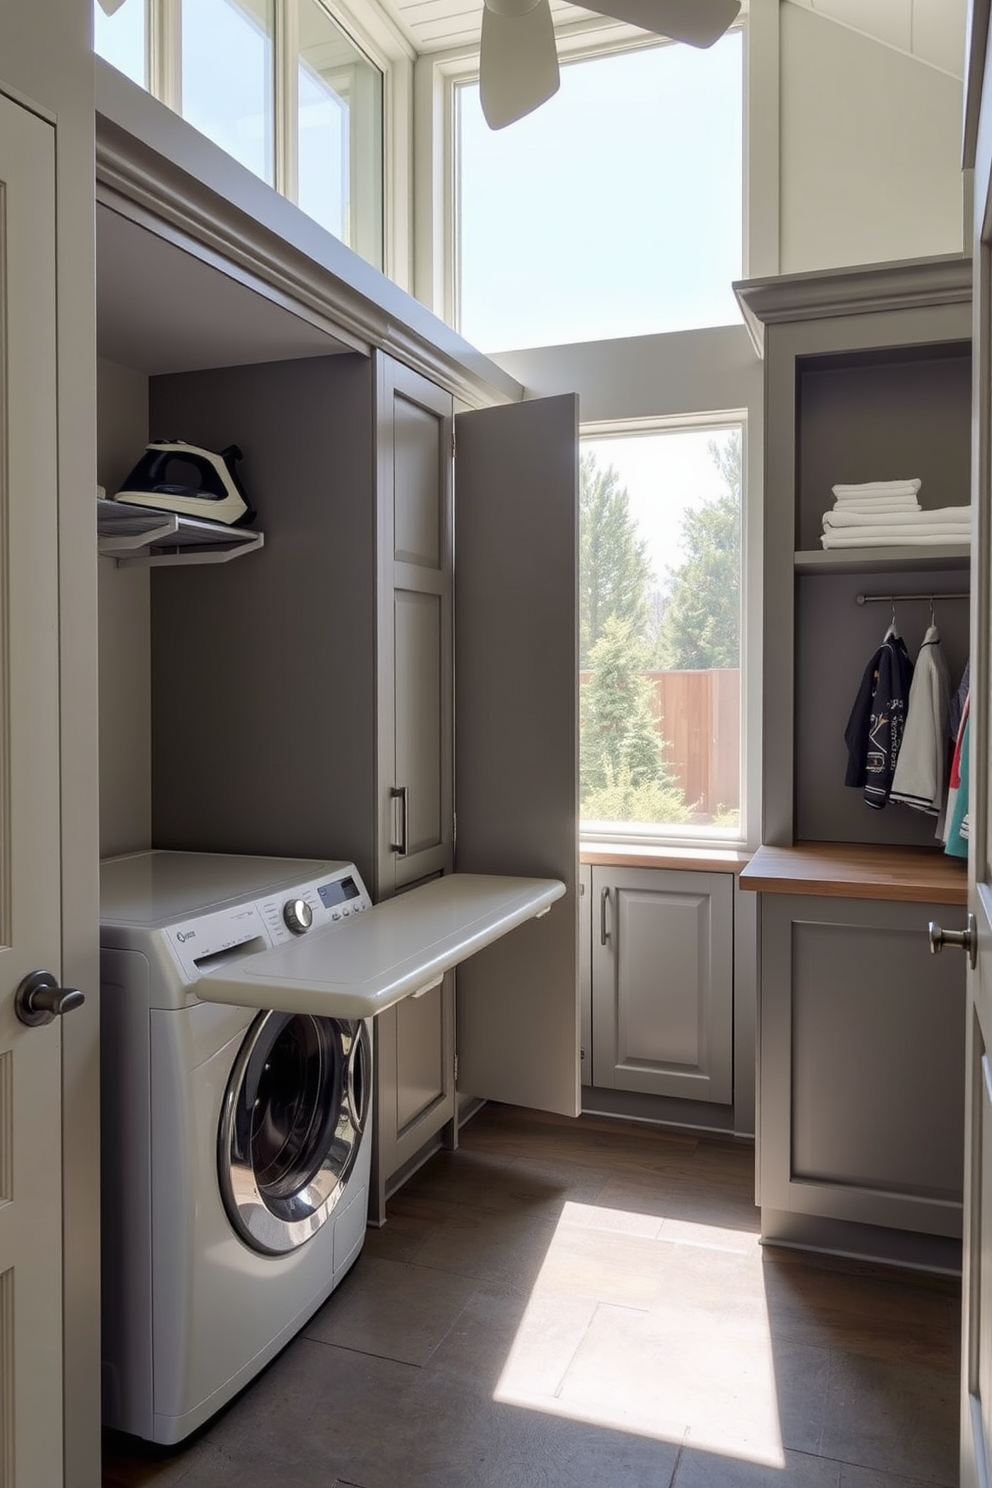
(30, 1085)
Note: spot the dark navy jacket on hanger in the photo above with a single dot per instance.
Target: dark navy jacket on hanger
(875, 728)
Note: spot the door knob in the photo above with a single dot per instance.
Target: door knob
(966, 939)
(39, 999)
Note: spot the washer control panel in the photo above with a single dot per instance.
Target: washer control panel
(216, 938)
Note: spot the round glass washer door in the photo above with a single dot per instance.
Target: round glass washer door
(294, 1111)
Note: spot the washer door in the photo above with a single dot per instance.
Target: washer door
(294, 1112)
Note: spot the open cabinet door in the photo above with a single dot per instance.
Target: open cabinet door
(516, 740)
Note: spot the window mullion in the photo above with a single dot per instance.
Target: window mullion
(287, 50)
(165, 51)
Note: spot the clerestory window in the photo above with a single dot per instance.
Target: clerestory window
(278, 84)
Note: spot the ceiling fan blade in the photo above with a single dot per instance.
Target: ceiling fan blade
(518, 64)
(699, 23)
(109, 6)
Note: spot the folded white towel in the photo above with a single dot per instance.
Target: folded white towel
(863, 537)
(944, 516)
(879, 488)
(948, 532)
(883, 504)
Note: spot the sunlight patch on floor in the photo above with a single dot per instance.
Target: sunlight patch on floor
(627, 1329)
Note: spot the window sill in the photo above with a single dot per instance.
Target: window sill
(657, 855)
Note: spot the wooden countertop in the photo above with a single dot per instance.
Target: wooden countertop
(849, 870)
(655, 855)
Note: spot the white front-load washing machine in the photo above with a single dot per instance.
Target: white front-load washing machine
(236, 1143)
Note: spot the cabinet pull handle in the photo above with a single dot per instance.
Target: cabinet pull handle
(604, 900)
(401, 794)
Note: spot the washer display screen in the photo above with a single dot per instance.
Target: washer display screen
(338, 891)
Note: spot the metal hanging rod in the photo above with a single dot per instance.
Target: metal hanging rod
(894, 599)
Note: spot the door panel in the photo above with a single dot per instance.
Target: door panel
(976, 1337)
(414, 687)
(417, 535)
(663, 1010)
(516, 768)
(419, 694)
(30, 1058)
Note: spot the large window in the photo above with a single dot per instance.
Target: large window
(615, 209)
(660, 633)
(276, 83)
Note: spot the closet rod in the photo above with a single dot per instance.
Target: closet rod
(864, 599)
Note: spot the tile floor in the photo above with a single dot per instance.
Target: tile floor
(586, 1305)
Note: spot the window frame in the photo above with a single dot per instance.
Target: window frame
(678, 835)
(438, 74)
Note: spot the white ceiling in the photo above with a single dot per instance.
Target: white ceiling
(932, 30)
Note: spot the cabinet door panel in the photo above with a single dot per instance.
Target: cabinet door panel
(862, 1047)
(858, 1007)
(517, 741)
(419, 716)
(417, 520)
(420, 1071)
(663, 983)
(415, 627)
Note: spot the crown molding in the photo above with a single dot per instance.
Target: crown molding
(867, 288)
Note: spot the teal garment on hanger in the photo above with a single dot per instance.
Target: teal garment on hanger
(956, 841)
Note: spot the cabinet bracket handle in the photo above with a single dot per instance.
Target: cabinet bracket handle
(604, 900)
(401, 794)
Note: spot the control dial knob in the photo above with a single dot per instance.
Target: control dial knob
(298, 915)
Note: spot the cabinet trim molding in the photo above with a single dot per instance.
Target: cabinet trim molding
(154, 190)
(903, 285)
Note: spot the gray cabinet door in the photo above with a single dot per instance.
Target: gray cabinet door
(414, 627)
(861, 1058)
(516, 768)
(662, 980)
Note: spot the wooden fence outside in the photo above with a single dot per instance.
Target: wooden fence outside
(697, 715)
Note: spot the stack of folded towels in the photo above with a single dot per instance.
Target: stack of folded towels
(888, 514)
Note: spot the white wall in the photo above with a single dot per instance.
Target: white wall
(870, 152)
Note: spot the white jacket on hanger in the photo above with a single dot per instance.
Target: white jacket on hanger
(920, 778)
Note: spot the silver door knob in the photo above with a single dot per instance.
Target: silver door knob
(966, 940)
(39, 999)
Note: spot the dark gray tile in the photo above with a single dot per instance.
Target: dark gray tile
(888, 1316)
(701, 1469)
(313, 1408)
(130, 1463)
(484, 1244)
(869, 1477)
(398, 1239)
(898, 1418)
(449, 1433)
(393, 1309)
(212, 1467)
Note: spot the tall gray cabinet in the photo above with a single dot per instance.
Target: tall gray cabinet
(303, 698)
(861, 1030)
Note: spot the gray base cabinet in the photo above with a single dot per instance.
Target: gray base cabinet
(861, 1066)
(662, 982)
(415, 1085)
